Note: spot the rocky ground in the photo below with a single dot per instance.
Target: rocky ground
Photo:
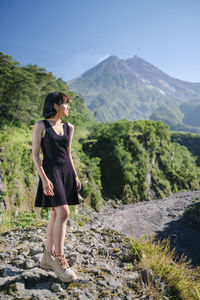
(97, 253)
(163, 218)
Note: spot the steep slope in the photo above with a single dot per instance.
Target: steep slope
(130, 88)
(184, 117)
(191, 111)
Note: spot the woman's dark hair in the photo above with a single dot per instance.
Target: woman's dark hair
(51, 99)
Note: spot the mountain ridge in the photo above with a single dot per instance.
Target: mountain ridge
(113, 84)
(136, 57)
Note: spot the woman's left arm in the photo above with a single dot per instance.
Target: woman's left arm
(70, 156)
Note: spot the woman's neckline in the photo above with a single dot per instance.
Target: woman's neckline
(55, 131)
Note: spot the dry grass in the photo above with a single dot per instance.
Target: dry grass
(180, 278)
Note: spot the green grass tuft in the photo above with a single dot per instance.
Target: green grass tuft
(180, 278)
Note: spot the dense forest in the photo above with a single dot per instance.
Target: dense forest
(128, 160)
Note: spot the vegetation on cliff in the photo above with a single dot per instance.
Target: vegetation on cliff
(190, 140)
(138, 161)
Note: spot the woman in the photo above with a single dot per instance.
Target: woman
(58, 180)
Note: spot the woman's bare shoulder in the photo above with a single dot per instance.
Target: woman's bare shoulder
(39, 126)
(70, 125)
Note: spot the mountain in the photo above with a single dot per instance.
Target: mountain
(130, 88)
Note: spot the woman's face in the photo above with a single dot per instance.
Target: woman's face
(63, 109)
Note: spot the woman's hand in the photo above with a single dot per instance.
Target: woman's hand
(78, 183)
(47, 187)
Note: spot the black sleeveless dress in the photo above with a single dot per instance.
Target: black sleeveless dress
(58, 168)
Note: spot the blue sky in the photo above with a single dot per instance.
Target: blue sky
(68, 37)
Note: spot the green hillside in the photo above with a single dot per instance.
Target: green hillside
(184, 117)
(191, 111)
(169, 114)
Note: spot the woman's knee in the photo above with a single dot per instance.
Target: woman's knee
(62, 212)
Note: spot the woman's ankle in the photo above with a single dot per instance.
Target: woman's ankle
(52, 251)
(59, 254)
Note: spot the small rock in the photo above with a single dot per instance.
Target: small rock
(18, 262)
(4, 255)
(23, 248)
(93, 252)
(19, 286)
(29, 264)
(13, 252)
(36, 250)
(72, 259)
(114, 284)
(55, 287)
(2, 282)
(36, 239)
(36, 274)
(101, 283)
(25, 253)
(37, 257)
(133, 276)
(20, 257)
(35, 296)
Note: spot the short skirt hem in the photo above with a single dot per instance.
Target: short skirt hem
(57, 205)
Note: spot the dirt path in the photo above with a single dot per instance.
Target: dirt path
(163, 217)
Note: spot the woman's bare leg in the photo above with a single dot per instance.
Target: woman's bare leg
(49, 246)
(59, 228)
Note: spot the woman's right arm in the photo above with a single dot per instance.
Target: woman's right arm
(38, 130)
